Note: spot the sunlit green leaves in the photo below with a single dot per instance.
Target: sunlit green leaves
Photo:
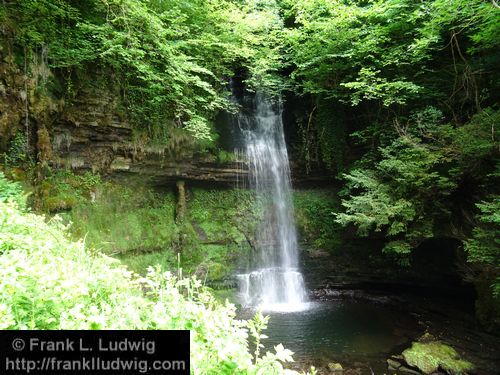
(359, 47)
(11, 191)
(370, 86)
(484, 246)
(50, 282)
(374, 207)
(172, 59)
(380, 50)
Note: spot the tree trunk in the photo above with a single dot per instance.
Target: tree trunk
(181, 202)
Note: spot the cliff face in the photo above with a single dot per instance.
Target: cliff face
(13, 100)
(89, 135)
(78, 122)
(87, 129)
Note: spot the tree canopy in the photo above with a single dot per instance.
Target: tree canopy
(172, 59)
(417, 83)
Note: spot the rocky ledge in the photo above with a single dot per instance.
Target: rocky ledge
(109, 148)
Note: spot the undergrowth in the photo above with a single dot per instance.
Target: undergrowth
(314, 214)
(138, 224)
(52, 282)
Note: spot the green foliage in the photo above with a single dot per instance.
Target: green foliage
(225, 156)
(261, 31)
(314, 217)
(416, 86)
(381, 50)
(341, 45)
(220, 224)
(171, 59)
(408, 188)
(125, 219)
(137, 224)
(62, 190)
(484, 245)
(331, 130)
(86, 306)
(255, 327)
(414, 83)
(376, 207)
(11, 191)
(476, 153)
(322, 136)
(140, 261)
(50, 282)
(17, 153)
(496, 287)
(132, 222)
(394, 197)
(223, 215)
(270, 362)
(369, 86)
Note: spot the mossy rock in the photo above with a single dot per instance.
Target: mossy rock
(335, 367)
(59, 203)
(428, 357)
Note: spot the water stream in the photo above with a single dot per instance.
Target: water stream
(274, 283)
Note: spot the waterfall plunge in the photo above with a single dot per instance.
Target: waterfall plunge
(275, 284)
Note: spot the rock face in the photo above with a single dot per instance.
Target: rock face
(91, 135)
(109, 148)
(87, 130)
(83, 126)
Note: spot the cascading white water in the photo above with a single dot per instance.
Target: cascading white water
(275, 283)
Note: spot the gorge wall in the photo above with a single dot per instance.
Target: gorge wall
(87, 129)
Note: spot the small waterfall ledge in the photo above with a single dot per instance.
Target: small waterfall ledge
(275, 282)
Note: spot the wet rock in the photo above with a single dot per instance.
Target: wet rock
(335, 367)
(331, 293)
(427, 337)
(202, 235)
(406, 370)
(225, 283)
(316, 253)
(120, 164)
(393, 364)
(91, 132)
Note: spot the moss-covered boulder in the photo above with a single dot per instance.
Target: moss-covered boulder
(59, 203)
(335, 367)
(428, 357)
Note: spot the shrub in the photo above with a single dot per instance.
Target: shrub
(11, 191)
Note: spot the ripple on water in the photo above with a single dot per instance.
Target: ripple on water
(287, 307)
(338, 330)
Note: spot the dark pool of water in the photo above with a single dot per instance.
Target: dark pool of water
(356, 334)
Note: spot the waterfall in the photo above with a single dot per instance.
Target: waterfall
(274, 282)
